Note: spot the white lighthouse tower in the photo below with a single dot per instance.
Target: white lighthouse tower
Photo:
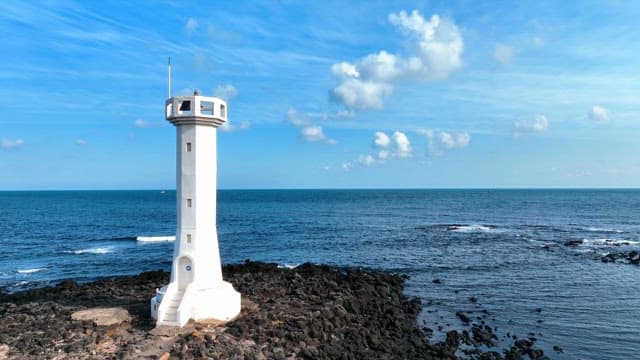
(197, 290)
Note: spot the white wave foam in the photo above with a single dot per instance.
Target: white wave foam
(473, 228)
(597, 229)
(96, 250)
(29, 271)
(156, 238)
(609, 242)
(288, 266)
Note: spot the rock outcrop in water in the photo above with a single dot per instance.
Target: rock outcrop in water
(631, 257)
(309, 312)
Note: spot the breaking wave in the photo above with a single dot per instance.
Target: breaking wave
(29, 271)
(462, 228)
(473, 228)
(609, 242)
(604, 230)
(95, 251)
(156, 238)
(288, 266)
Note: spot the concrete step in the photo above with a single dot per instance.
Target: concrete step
(171, 315)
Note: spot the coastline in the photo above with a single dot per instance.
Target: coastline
(307, 312)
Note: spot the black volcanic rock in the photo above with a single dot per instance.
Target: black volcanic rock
(309, 312)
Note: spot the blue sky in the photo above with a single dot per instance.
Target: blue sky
(418, 94)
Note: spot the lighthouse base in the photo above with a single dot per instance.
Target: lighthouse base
(175, 307)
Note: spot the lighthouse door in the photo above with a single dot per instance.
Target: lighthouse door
(185, 272)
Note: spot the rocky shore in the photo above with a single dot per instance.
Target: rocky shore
(308, 312)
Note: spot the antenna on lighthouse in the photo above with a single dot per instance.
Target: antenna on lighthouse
(169, 76)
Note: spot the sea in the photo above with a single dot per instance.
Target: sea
(503, 248)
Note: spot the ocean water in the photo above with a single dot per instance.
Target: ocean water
(504, 247)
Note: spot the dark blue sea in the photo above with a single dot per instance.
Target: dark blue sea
(504, 247)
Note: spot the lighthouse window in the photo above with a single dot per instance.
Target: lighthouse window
(188, 147)
(189, 203)
(223, 111)
(206, 108)
(185, 106)
(188, 238)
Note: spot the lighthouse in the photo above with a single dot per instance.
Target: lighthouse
(196, 290)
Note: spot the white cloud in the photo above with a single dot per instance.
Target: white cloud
(438, 141)
(344, 69)
(312, 133)
(361, 95)
(226, 92)
(504, 54)
(402, 144)
(229, 127)
(309, 131)
(455, 140)
(381, 140)
(539, 124)
(384, 154)
(191, 25)
(439, 44)
(141, 123)
(11, 144)
(382, 67)
(347, 166)
(367, 160)
(435, 53)
(600, 114)
(81, 142)
(398, 146)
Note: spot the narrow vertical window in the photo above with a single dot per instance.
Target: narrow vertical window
(188, 147)
(223, 111)
(188, 238)
(189, 203)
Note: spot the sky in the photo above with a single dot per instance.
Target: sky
(324, 94)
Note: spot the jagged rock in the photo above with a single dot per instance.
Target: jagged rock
(464, 318)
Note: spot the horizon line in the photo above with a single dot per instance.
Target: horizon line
(344, 188)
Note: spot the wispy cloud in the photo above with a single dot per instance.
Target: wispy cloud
(81, 142)
(296, 119)
(226, 92)
(435, 53)
(11, 143)
(146, 124)
(191, 26)
(230, 127)
(141, 123)
(503, 54)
